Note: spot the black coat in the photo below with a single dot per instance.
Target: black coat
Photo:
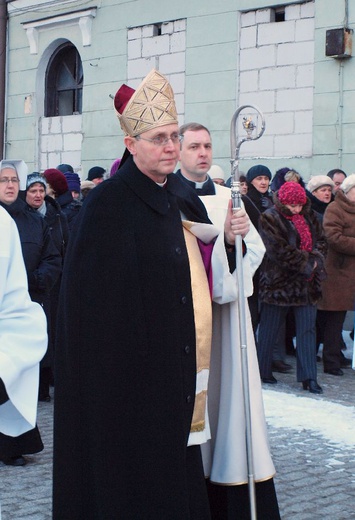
(125, 369)
(259, 202)
(69, 206)
(318, 206)
(287, 272)
(42, 259)
(57, 223)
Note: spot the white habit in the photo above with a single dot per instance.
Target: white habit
(23, 335)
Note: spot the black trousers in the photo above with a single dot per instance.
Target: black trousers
(332, 326)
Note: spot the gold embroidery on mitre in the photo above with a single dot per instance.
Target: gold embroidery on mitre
(152, 105)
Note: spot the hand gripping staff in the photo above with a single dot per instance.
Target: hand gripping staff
(249, 127)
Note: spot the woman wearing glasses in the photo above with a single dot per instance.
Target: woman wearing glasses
(43, 266)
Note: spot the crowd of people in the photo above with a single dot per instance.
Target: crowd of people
(43, 207)
(145, 358)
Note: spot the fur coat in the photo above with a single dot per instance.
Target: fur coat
(288, 276)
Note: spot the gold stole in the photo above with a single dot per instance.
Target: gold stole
(202, 305)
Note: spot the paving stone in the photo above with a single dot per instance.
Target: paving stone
(315, 477)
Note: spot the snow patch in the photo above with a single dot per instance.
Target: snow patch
(335, 422)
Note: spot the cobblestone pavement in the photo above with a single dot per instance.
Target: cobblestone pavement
(315, 475)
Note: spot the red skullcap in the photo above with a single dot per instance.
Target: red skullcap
(123, 95)
(292, 193)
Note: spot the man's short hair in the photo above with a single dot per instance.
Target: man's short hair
(193, 127)
(331, 173)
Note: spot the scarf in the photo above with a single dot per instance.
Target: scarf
(302, 229)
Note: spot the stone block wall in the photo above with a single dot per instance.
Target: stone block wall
(276, 63)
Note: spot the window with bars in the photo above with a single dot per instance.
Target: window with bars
(64, 82)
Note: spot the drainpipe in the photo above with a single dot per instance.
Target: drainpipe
(3, 54)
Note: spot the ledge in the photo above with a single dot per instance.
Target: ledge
(81, 18)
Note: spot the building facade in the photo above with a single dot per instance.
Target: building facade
(292, 59)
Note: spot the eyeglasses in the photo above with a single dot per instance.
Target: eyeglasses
(6, 180)
(160, 140)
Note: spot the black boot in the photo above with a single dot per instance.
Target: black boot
(312, 386)
(43, 390)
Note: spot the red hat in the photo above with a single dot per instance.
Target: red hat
(292, 193)
(57, 180)
(123, 95)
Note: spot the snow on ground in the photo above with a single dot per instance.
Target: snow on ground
(335, 422)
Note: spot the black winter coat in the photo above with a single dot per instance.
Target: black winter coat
(126, 366)
(57, 223)
(69, 206)
(318, 206)
(288, 276)
(259, 202)
(42, 259)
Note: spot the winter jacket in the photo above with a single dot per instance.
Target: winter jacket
(339, 227)
(42, 259)
(57, 223)
(288, 276)
(69, 206)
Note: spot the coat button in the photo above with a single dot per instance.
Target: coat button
(188, 399)
(178, 250)
(183, 300)
(187, 349)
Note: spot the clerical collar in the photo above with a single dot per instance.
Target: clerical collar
(162, 184)
(202, 188)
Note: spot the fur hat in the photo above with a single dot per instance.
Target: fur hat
(152, 105)
(34, 177)
(96, 172)
(318, 181)
(216, 172)
(348, 183)
(57, 180)
(73, 181)
(258, 169)
(87, 185)
(292, 193)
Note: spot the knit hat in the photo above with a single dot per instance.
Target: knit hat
(57, 180)
(257, 170)
(34, 177)
(348, 183)
(65, 168)
(96, 172)
(152, 105)
(73, 181)
(292, 193)
(318, 181)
